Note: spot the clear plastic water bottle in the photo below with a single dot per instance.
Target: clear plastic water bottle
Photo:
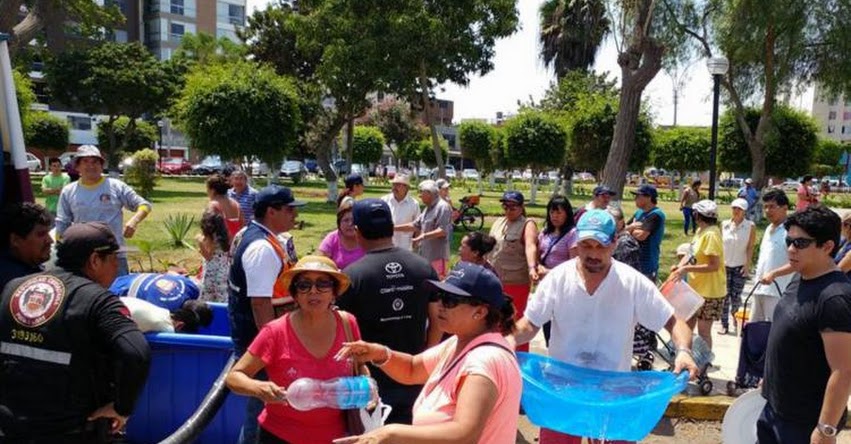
(339, 393)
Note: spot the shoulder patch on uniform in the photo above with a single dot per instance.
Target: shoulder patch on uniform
(37, 300)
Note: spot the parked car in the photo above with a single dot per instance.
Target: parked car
(340, 167)
(833, 181)
(174, 165)
(258, 168)
(584, 177)
(362, 170)
(791, 185)
(450, 172)
(423, 173)
(209, 165)
(553, 175)
(293, 170)
(733, 182)
(470, 173)
(33, 164)
(311, 165)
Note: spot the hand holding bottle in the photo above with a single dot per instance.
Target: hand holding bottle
(269, 392)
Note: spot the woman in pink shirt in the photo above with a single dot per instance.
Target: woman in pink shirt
(301, 344)
(341, 245)
(472, 383)
(806, 197)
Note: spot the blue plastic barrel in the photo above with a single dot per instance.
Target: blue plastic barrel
(594, 403)
(183, 369)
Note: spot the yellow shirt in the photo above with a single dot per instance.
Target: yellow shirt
(707, 242)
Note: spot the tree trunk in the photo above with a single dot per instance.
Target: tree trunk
(350, 141)
(533, 195)
(623, 140)
(435, 138)
(323, 154)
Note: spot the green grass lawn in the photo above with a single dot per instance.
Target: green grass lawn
(187, 195)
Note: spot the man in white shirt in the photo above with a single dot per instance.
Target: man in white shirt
(594, 303)
(773, 262)
(403, 208)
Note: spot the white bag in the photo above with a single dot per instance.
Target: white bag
(374, 420)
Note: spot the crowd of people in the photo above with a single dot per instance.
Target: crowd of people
(380, 298)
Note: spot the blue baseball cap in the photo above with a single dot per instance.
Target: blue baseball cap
(512, 196)
(274, 194)
(372, 218)
(603, 189)
(646, 190)
(353, 179)
(596, 224)
(470, 280)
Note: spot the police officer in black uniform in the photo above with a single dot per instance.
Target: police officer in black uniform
(72, 362)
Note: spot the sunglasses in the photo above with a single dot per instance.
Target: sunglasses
(799, 243)
(322, 285)
(450, 301)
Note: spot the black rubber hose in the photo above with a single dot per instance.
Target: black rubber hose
(206, 411)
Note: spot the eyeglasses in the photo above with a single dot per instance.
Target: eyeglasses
(799, 243)
(450, 301)
(322, 285)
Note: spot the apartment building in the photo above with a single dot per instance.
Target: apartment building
(833, 115)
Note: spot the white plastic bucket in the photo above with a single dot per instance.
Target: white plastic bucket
(685, 300)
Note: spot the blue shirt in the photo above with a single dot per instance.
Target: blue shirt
(168, 291)
(246, 202)
(654, 222)
(749, 194)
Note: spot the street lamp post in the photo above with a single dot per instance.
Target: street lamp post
(717, 67)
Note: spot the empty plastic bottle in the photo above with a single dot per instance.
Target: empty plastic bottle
(339, 393)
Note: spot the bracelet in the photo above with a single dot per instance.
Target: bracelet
(389, 355)
(686, 351)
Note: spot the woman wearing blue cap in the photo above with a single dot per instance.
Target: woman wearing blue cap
(472, 380)
(515, 256)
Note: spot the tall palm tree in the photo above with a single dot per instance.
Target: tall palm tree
(571, 33)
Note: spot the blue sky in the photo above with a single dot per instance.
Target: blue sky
(519, 74)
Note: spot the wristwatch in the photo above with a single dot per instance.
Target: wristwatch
(827, 430)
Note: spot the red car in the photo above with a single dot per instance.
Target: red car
(174, 165)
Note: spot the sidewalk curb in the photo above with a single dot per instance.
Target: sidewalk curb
(705, 408)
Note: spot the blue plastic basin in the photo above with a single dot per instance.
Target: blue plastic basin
(183, 369)
(593, 403)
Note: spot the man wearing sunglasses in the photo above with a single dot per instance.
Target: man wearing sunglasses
(772, 263)
(808, 361)
(594, 303)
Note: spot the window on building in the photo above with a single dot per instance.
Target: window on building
(176, 31)
(80, 123)
(443, 104)
(236, 14)
(831, 129)
(177, 7)
(228, 34)
(846, 115)
(119, 36)
(832, 102)
(831, 115)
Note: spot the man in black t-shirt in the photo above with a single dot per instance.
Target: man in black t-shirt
(389, 300)
(808, 362)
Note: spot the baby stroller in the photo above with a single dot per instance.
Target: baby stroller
(752, 349)
(644, 344)
(703, 357)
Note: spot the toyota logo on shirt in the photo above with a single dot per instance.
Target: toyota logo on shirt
(393, 267)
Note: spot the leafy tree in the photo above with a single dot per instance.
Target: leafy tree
(142, 173)
(427, 155)
(24, 94)
(592, 128)
(534, 140)
(571, 33)
(143, 134)
(394, 119)
(452, 41)
(682, 149)
(409, 152)
(498, 150)
(565, 95)
(789, 143)
(773, 47)
(203, 49)
(644, 31)
(477, 139)
(115, 79)
(368, 144)
(46, 132)
(219, 107)
(826, 157)
(90, 19)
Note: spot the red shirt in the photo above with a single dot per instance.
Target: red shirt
(286, 360)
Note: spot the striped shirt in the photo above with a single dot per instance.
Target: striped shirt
(246, 202)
